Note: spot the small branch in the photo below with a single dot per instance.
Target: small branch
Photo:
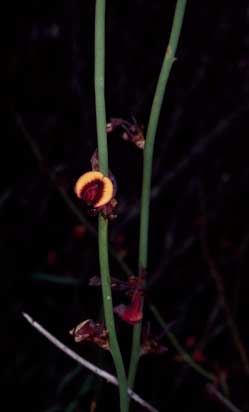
(226, 402)
(93, 368)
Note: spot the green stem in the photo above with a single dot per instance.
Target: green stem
(147, 165)
(135, 354)
(99, 81)
(108, 312)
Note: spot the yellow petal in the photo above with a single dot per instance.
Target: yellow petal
(85, 179)
(107, 191)
(106, 194)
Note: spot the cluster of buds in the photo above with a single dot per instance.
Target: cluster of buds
(132, 132)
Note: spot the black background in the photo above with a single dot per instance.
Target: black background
(200, 169)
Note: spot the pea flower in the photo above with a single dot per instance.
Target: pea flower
(94, 188)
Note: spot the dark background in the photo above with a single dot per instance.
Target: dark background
(199, 196)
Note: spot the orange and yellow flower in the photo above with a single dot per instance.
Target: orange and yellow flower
(94, 188)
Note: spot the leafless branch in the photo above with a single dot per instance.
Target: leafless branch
(213, 391)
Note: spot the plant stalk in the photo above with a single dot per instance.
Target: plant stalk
(99, 81)
(147, 166)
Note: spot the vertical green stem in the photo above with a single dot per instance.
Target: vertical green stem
(108, 311)
(99, 81)
(147, 165)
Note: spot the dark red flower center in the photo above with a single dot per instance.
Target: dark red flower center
(92, 192)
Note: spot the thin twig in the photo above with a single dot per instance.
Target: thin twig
(93, 368)
(226, 402)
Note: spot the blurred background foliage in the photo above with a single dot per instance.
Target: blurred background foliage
(200, 174)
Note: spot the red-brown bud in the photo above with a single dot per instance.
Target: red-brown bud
(90, 331)
(131, 313)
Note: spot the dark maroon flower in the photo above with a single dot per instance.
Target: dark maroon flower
(90, 331)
